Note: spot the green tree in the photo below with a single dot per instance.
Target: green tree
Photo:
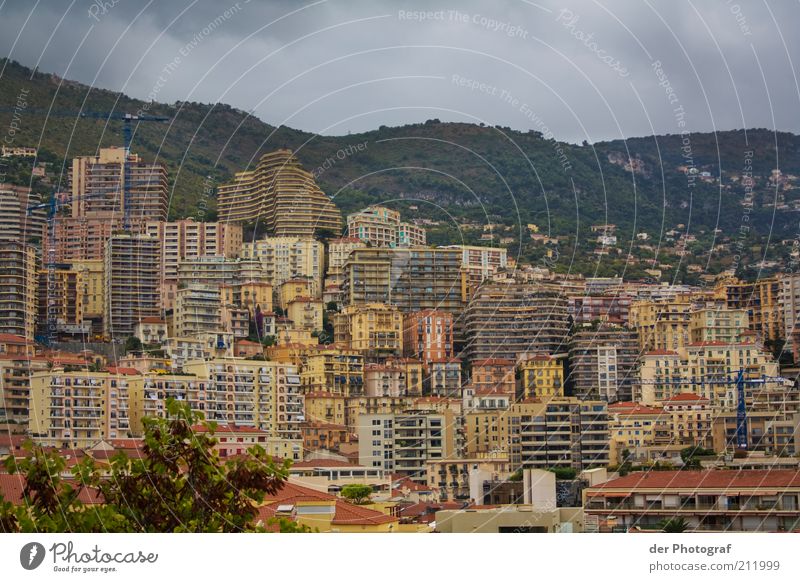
(357, 493)
(133, 344)
(690, 456)
(566, 473)
(179, 485)
(673, 525)
(626, 465)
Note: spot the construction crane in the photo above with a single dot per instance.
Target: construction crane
(740, 381)
(128, 120)
(54, 204)
(49, 256)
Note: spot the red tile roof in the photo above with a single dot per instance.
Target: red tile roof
(12, 487)
(632, 408)
(345, 513)
(687, 397)
(349, 514)
(9, 338)
(324, 463)
(714, 479)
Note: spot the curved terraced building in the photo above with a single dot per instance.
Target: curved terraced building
(282, 195)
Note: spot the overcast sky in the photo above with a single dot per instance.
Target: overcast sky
(582, 70)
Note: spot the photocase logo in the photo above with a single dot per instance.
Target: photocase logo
(31, 555)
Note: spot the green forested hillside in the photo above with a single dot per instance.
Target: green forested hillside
(454, 173)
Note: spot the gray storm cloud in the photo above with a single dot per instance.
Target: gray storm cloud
(584, 70)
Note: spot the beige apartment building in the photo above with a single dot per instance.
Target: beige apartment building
(198, 310)
(18, 289)
(256, 393)
(507, 320)
(714, 500)
(282, 195)
(661, 325)
(187, 239)
(335, 371)
(560, 432)
(82, 238)
(717, 324)
(481, 263)
(375, 329)
(287, 257)
(404, 443)
(306, 313)
(377, 226)
(708, 369)
(17, 224)
(78, 409)
(16, 370)
(413, 279)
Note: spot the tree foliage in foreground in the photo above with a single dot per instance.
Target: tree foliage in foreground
(178, 485)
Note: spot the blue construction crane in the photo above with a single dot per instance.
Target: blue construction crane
(49, 255)
(127, 136)
(741, 406)
(53, 205)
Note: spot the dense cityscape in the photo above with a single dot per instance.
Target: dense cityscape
(412, 387)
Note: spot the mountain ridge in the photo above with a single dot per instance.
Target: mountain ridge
(460, 175)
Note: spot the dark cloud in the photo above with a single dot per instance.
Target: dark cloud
(582, 70)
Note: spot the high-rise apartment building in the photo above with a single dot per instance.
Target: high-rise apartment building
(81, 238)
(413, 279)
(376, 226)
(187, 239)
(559, 432)
(717, 324)
(132, 276)
(481, 263)
(17, 224)
(18, 287)
(506, 320)
(78, 409)
(60, 299)
(375, 329)
(411, 235)
(404, 442)
(280, 194)
(216, 271)
(761, 299)
(98, 187)
(198, 311)
(286, 257)
(662, 324)
(603, 363)
(253, 393)
(428, 335)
